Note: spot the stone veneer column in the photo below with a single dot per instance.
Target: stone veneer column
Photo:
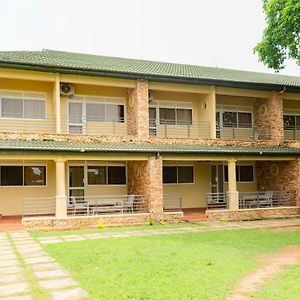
(268, 118)
(138, 110)
(145, 178)
(61, 197)
(233, 195)
(279, 176)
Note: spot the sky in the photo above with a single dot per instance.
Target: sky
(214, 33)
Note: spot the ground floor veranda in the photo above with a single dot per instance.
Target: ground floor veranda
(132, 189)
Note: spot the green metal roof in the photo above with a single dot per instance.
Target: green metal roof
(68, 62)
(130, 147)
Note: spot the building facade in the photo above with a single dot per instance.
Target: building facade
(88, 139)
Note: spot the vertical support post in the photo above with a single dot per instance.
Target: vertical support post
(233, 195)
(57, 104)
(61, 197)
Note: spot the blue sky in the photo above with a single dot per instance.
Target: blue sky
(202, 32)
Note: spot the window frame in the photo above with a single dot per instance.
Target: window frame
(294, 114)
(177, 174)
(221, 109)
(238, 172)
(23, 96)
(12, 164)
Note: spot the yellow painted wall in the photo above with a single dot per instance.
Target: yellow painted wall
(11, 197)
(193, 195)
(287, 104)
(235, 100)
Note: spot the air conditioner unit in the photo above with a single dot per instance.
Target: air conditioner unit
(150, 96)
(66, 89)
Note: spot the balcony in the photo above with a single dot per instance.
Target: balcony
(292, 133)
(183, 129)
(77, 126)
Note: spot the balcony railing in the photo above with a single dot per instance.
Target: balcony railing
(217, 200)
(244, 132)
(38, 207)
(172, 202)
(97, 205)
(179, 129)
(75, 125)
(266, 199)
(292, 133)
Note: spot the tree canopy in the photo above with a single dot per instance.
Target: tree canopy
(281, 37)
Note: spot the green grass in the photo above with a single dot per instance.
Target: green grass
(284, 286)
(204, 265)
(37, 234)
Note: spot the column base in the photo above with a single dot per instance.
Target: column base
(233, 200)
(61, 206)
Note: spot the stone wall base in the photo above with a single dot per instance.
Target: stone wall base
(86, 222)
(253, 214)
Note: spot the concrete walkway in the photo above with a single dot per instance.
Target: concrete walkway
(26, 268)
(203, 227)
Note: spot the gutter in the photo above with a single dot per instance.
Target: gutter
(157, 78)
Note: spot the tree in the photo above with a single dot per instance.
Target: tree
(281, 37)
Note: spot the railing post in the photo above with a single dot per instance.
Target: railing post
(166, 133)
(189, 130)
(294, 133)
(233, 132)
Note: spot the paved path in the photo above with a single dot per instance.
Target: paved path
(24, 266)
(203, 227)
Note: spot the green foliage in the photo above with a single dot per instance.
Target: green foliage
(281, 37)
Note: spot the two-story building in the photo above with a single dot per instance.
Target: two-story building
(87, 139)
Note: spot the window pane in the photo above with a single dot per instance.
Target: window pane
(75, 113)
(34, 109)
(112, 113)
(121, 113)
(245, 120)
(116, 175)
(11, 175)
(246, 173)
(184, 116)
(34, 175)
(289, 122)
(169, 174)
(95, 112)
(186, 174)
(167, 116)
(297, 122)
(229, 119)
(12, 108)
(96, 175)
(76, 176)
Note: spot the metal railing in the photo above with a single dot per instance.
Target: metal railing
(172, 202)
(217, 200)
(179, 129)
(246, 132)
(97, 205)
(291, 133)
(75, 125)
(266, 199)
(38, 207)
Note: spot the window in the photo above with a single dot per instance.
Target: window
(34, 175)
(23, 175)
(175, 116)
(102, 112)
(178, 174)
(96, 175)
(22, 107)
(291, 122)
(244, 173)
(101, 175)
(237, 119)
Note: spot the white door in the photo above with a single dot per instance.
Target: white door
(76, 181)
(76, 118)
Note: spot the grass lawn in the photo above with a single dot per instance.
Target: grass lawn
(204, 265)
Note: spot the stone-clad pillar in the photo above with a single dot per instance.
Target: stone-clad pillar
(268, 118)
(138, 110)
(145, 178)
(233, 195)
(61, 197)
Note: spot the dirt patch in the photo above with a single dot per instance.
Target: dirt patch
(271, 265)
(287, 229)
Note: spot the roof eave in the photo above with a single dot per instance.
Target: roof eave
(157, 78)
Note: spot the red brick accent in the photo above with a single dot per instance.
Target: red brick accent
(145, 178)
(269, 124)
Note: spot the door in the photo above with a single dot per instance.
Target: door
(76, 120)
(152, 121)
(216, 181)
(76, 181)
(218, 124)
